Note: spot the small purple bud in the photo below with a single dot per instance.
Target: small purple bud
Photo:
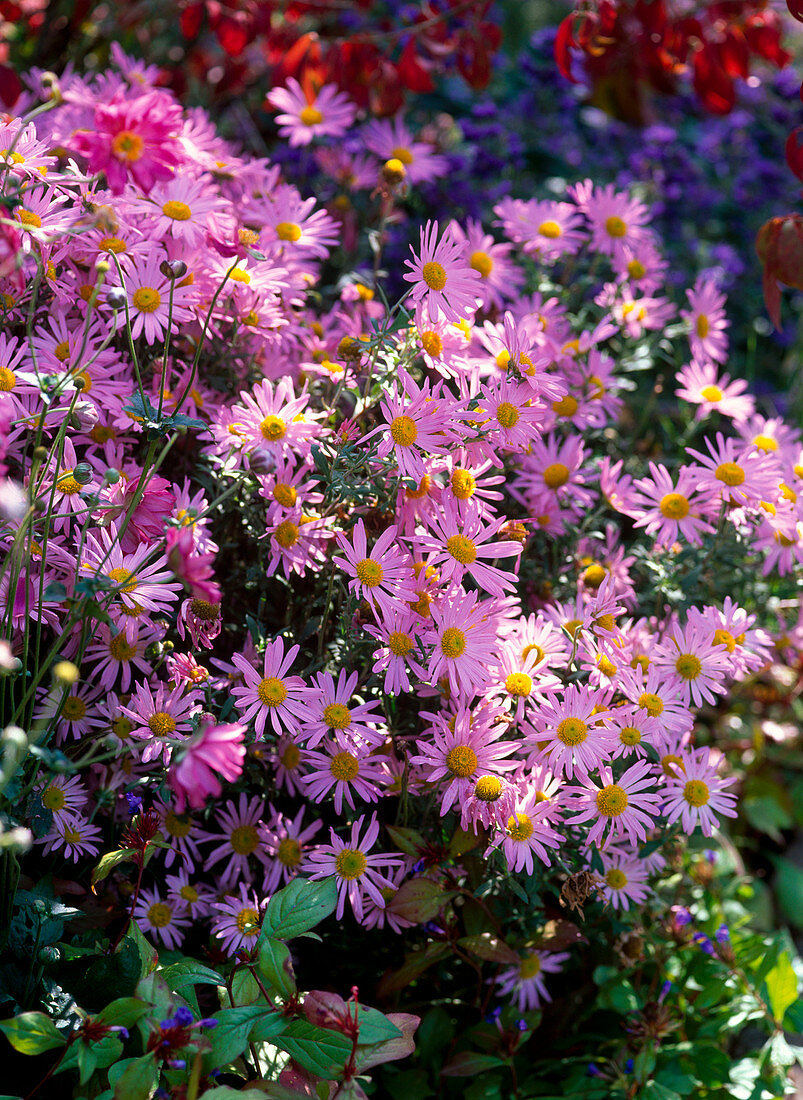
(418, 867)
(711, 855)
(208, 1023)
(177, 1063)
(664, 990)
(722, 935)
(521, 1025)
(134, 802)
(183, 1016)
(704, 943)
(593, 1071)
(629, 1065)
(682, 917)
(165, 1024)
(120, 1030)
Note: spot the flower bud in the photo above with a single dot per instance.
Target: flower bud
(112, 476)
(116, 297)
(393, 171)
(65, 673)
(82, 473)
(84, 413)
(173, 269)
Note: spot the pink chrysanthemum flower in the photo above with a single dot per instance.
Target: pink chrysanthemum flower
(397, 654)
(288, 762)
(460, 542)
(191, 896)
(500, 278)
(164, 918)
(671, 511)
(384, 577)
(525, 982)
(621, 807)
(695, 794)
(391, 139)
(417, 422)
(457, 751)
(215, 752)
(693, 663)
(148, 292)
(239, 835)
(160, 718)
(624, 879)
(635, 729)
(348, 770)
(464, 643)
(358, 874)
(73, 836)
(551, 471)
(304, 117)
(509, 417)
(274, 695)
(707, 321)
(179, 209)
(297, 544)
(487, 804)
(528, 832)
(703, 386)
(237, 921)
(275, 419)
(444, 285)
(63, 796)
(287, 843)
(576, 733)
(546, 229)
(747, 647)
(116, 656)
(734, 473)
(330, 710)
(618, 221)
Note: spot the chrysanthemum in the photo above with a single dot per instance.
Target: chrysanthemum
(659, 697)
(160, 718)
(547, 229)
(444, 284)
(382, 577)
(624, 879)
(193, 897)
(621, 807)
(148, 293)
(297, 543)
(63, 796)
(526, 981)
(72, 835)
(509, 417)
(288, 844)
(695, 794)
(500, 278)
(348, 770)
(331, 709)
(707, 321)
(239, 835)
(162, 917)
(670, 510)
(618, 221)
(391, 139)
(276, 419)
(459, 543)
(305, 116)
(464, 643)
(574, 732)
(179, 209)
(694, 664)
(357, 873)
(703, 386)
(274, 695)
(528, 832)
(418, 422)
(733, 472)
(398, 653)
(237, 921)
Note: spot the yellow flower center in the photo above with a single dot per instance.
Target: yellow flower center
(112, 244)
(507, 415)
(290, 757)
(147, 299)
(519, 827)
(286, 534)
(54, 799)
(571, 626)
(400, 643)
(127, 146)
(530, 967)
(549, 229)
(696, 792)
(461, 761)
(237, 275)
(434, 275)
(27, 217)
(518, 684)
(272, 428)
(432, 343)
(8, 380)
(336, 716)
(344, 766)
(288, 231)
(161, 724)
(403, 431)
(730, 473)
(463, 484)
(615, 227)
(310, 116)
(178, 211)
(453, 642)
(612, 800)
(462, 549)
(688, 666)
(765, 443)
(244, 839)
(403, 154)
(124, 578)
(73, 709)
(629, 735)
(606, 665)
(285, 495)
(572, 731)
(724, 637)
(703, 326)
(636, 269)
(188, 893)
(482, 263)
(369, 572)
(605, 622)
(674, 506)
(533, 648)
(671, 764)
(616, 879)
(271, 692)
(120, 649)
(62, 351)
(653, 704)
(159, 915)
(556, 475)
(177, 826)
(289, 852)
(488, 788)
(567, 406)
(594, 575)
(350, 863)
(711, 393)
(248, 922)
(67, 484)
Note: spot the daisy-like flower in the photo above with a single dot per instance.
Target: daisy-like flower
(707, 321)
(488, 805)
(292, 229)
(275, 419)
(525, 982)
(399, 641)
(635, 729)
(78, 711)
(693, 662)
(161, 717)
(274, 695)
(507, 413)
(165, 918)
(547, 230)
(576, 733)
(384, 577)
(747, 648)
(551, 471)
(460, 542)
(113, 656)
(670, 511)
(63, 796)
(500, 277)
(330, 710)
(194, 897)
(659, 698)
(624, 879)
(734, 473)
(179, 209)
(358, 873)
(73, 836)
(305, 116)
(465, 643)
(695, 793)
(148, 293)
(621, 807)
(444, 284)
(240, 835)
(390, 139)
(288, 761)
(296, 543)
(703, 386)
(237, 921)
(418, 422)
(287, 843)
(348, 770)
(618, 221)
(457, 751)
(528, 832)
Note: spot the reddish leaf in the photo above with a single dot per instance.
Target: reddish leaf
(233, 35)
(409, 841)
(489, 947)
(711, 83)
(763, 33)
(564, 43)
(10, 86)
(468, 1063)
(734, 56)
(411, 72)
(794, 151)
(413, 967)
(190, 20)
(419, 900)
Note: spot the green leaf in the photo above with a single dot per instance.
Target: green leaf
(32, 1033)
(781, 987)
(491, 948)
(413, 967)
(320, 1050)
(103, 1053)
(375, 1027)
(124, 1012)
(186, 973)
(235, 1028)
(298, 907)
(419, 900)
(409, 841)
(139, 1079)
(789, 891)
(276, 965)
(112, 860)
(244, 989)
(468, 1063)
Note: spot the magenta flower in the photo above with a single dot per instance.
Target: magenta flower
(274, 695)
(213, 753)
(707, 321)
(695, 794)
(384, 577)
(465, 643)
(623, 807)
(330, 113)
(460, 542)
(357, 873)
(670, 510)
(444, 284)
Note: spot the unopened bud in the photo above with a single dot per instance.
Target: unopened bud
(393, 172)
(112, 476)
(173, 269)
(115, 296)
(82, 473)
(65, 673)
